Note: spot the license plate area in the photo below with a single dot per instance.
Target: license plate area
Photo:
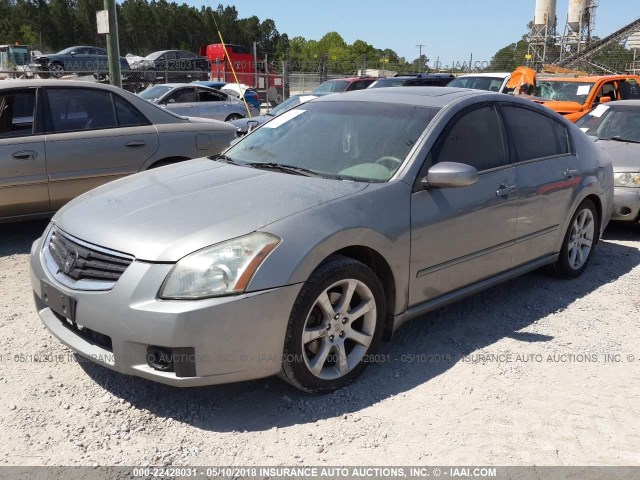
(60, 303)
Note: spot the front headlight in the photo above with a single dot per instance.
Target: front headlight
(219, 270)
(626, 179)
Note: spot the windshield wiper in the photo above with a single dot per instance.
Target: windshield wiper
(618, 138)
(224, 159)
(284, 168)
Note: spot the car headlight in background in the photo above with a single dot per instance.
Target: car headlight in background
(222, 269)
(626, 179)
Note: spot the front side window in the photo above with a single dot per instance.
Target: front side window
(475, 139)
(72, 109)
(535, 135)
(362, 141)
(16, 113)
(128, 115)
(182, 95)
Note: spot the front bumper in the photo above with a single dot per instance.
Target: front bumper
(626, 204)
(233, 338)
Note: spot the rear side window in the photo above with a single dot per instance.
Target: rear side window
(16, 113)
(475, 139)
(128, 115)
(73, 109)
(535, 135)
(183, 95)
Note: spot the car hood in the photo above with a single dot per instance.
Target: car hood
(558, 106)
(164, 214)
(625, 156)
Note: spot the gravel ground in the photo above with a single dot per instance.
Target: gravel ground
(516, 375)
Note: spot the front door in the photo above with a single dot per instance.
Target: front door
(182, 101)
(23, 172)
(462, 235)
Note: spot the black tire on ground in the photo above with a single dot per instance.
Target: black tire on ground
(294, 368)
(233, 116)
(56, 69)
(563, 266)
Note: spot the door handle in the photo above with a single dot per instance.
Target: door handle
(25, 155)
(571, 172)
(505, 191)
(135, 144)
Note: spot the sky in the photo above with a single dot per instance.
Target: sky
(449, 29)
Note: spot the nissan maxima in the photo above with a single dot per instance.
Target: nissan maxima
(313, 238)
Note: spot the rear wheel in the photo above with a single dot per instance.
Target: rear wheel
(579, 242)
(233, 116)
(336, 322)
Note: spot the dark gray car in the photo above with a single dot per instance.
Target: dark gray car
(318, 232)
(79, 59)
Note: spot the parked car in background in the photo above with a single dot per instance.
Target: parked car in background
(617, 127)
(574, 97)
(294, 251)
(245, 125)
(345, 84)
(79, 59)
(492, 82)
(195, 100)
(172, 66)
(60, 138)
(250, 95)
(424, 80)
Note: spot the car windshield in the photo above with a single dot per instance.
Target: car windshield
(333, 86)
(491, 84)
(388, 82)
(563, 91)
(362, 141)
(612, 122)
(290, 103)
(67, 50)
(154, 93)
(153, 56)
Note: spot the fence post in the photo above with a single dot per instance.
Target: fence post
(285, 77)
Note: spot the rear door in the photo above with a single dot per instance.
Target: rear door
(212, 104)
(92, 137)
(23, 174)
(548, 177)
(462, 235)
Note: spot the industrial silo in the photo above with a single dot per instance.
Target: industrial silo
(545, 14)
(577, 15)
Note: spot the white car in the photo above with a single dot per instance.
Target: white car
(492, 82)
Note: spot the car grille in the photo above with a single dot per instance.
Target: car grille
(79, 261)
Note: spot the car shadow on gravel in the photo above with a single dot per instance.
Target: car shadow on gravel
(419, 352)
(16, 238)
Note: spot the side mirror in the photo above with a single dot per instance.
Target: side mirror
(251, 124)
(606, 99)
(450, 175)
(73, 54)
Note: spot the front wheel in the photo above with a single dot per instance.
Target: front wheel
(57, 70)
(579, 242)
(336, 323)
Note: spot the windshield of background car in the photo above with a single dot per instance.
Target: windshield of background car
(491, 84)
(362, 141)
(67, 51)
(620, 122)
(153, 56)
(388, 82)
(560, 91)
(154, 93)
(333, 86)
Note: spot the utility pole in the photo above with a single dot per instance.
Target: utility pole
(113, 44)
(420, 45)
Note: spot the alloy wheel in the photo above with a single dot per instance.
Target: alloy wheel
(581, 239)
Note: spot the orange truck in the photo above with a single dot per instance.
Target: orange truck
(574, 97)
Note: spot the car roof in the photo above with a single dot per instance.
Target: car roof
(588, 79)
(436, 97)
(629, 103)
(55, 83)
(495, 74)
(351, 79)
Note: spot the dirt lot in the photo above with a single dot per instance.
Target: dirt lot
(516, 375)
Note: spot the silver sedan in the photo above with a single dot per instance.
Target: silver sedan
(616, 125)
(319, 234)
(61, 138)
(198, 101)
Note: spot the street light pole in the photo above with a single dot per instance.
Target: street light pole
(113, 44)
(420, 45)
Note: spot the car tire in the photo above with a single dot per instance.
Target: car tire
(579, 242)
(232, 117)
(321, 352)
(56, 69)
